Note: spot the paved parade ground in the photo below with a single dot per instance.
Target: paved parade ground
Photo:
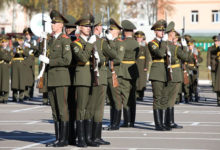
(30, 126)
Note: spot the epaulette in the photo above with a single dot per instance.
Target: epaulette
(65, 36)
(120, 40)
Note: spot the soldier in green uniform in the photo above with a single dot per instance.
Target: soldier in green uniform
(82, 50)
(18, 75)
(31, 44)
(158, 75)
(5, 58)
(142, 64)
(211, 60)
(70, 28)
(95, 109)
(128, 73)
(58, 77)
(193, 65)
(114, 92)
(217, 70)
(173, 85)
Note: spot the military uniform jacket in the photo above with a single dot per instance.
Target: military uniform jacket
(143, 60)
(116, 45)
(217, 79)
(60, 57)
(211, 58)
(157, 50)
(18, 75)
(5, 58)
(128, 67)
(104, 51)
(82, 53)
(177, 55)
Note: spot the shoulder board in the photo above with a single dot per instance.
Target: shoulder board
(120, 40)
(65, 36)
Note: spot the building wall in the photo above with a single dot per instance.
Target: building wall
(205, 26)
(6, 18)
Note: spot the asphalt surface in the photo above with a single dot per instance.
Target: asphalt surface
(30, 126)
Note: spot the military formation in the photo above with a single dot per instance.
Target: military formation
(82, 66)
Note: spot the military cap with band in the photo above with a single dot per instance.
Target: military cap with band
(71, 21)
(214, 38)
(56, 17)
(139, 34)
(114, 25)
(160, 25)
(127, 25)
(85, 20)
(27, 31)
(187, 37)
(170, 27)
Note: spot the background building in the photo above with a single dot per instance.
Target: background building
(202, 17)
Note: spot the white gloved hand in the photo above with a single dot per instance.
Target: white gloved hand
(169, 53)
(165, 37)
(30, 52)
(92, 39)
(96, 54)
(209, 67)
(44, 59)
(109, 36)
(183, 41)
(43, 35)
(27, 45)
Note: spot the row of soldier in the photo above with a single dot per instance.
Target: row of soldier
(82, 68)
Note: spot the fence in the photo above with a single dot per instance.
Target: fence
(205, 46)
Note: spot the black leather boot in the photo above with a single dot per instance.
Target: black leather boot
(116, 120)
(127, 117)
(112, 110)
(133, 115)
(72, 133)
(64, 135)
(57, 134)
(88, 134)
(172, 122)
(80, 133)
(164, 119)
(157, 120)
(97, 134)
(196, 97)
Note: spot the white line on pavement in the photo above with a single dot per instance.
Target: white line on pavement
(195, 123)
(19, 110)
(33, 122)
(32, 145)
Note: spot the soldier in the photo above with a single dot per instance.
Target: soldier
(173, 85)
(31, 44)
(82, 50)
(18, 75)
(193, 65)
(216, 52)
(211, 60)
(5, 58)
(113, 90)
(128, 73)
(158, 75)
(70, 28)
(102, 50)
(142, 64)
(58, 77)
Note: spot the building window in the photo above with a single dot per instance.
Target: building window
(215, 16)
(195, 16)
